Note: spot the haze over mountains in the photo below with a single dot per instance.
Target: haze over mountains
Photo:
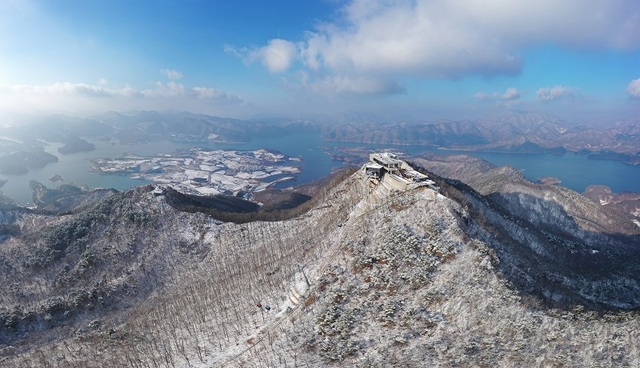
(509, 132)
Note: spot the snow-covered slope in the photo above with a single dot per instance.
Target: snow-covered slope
(368, 277)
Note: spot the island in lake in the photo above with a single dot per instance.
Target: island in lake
(76, 144)
(18, 163)
(207, 172)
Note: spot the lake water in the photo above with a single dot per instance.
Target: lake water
(575, 171)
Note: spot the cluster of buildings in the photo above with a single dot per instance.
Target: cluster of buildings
(385, 167)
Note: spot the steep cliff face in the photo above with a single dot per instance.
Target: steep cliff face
(368, 277)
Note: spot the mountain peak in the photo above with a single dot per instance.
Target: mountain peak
(374, 273)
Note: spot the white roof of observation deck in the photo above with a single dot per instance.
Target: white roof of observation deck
(385, 159)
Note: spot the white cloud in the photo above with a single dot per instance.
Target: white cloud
(171, 73)
(66, 88)
(407, 38)
(207, 93)
(356, 85)
(391, 39)
(510, 97)
(212, 94)
(554, 93)
(230, 49)
(171, 89)
(277, 56)
(482, 96)
(510, 94)
(103, 96)
(160, 90)
(633, 88)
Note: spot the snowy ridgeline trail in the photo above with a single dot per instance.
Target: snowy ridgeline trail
(296, 294)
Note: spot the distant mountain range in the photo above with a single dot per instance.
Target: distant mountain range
(509, 132)
(522, 132)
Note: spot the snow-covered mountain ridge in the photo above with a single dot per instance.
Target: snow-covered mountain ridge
(467, 276)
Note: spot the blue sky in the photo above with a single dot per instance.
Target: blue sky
(405, 59)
